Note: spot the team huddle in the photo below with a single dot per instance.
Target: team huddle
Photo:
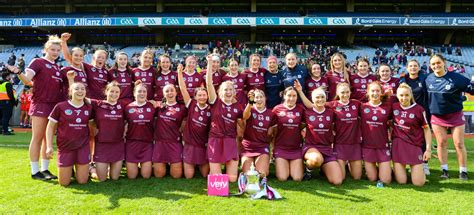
(151, 118)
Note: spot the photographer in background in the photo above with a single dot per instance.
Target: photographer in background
(7, 101)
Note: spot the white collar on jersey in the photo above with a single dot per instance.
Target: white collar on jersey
(340, 102)
(166, 73)
(372, 104)
(194, 72)
(315, 79)
(251, 70)
(143, 69)
(264, 109)
(79, 69)
(406, 108)
(79, 106)
(139, 105)
(314, 109)
(386, 80)
(288, 107)
(52, 62)
(366, 75)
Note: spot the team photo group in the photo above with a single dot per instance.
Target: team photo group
(302, 119)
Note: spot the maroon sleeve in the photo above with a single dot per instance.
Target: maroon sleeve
(55, 114)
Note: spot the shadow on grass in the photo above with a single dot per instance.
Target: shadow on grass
(164, 188)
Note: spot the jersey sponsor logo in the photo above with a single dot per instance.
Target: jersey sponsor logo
(402, 121)
(78, 120)
(321, 125)
(260, 124)
(131, 110)
(374, 118)
(257, 80)
(363, 86)
(113, 112)
(141, 116)
(68, 112)
(411, 116)
(348, 115)
(396, 112)
(383, 111)
(229, 115)
(312, 118)
(290, 120)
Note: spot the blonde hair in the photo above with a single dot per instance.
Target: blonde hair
(318, 91)
(339, 86)
(52, 40)
(383, 97)
(406, 86)
(110, 85)
(225, 84)
(77, 49)
(291, 54)
(145, 52)
(344, 69)
(96, 53)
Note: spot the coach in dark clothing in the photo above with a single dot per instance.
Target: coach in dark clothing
(7, 101)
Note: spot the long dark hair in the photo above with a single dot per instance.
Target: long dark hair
(128, 69)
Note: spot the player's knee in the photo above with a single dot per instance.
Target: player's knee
(419, 183)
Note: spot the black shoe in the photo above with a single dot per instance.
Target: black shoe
(47, 174)
(39, 176)
(307, 176)
(463, 176)
(8, 133)
(444, 174)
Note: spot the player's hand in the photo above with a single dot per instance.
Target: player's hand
(298, 86)
(71, 74)
(180, 68)
(49, 152)
(427, 155)
(13, 69)
(65, 36)
(251, 95)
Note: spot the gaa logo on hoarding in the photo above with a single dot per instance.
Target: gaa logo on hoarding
(219, 21)
(339, 21)
(149, 22)
(106, 21)
(267, 21)
(315, 21)
(243, 21)
(195, 21)
(291, 21)
(126, 21)
(172, 21)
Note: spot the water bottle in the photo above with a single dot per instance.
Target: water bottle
(379, 184)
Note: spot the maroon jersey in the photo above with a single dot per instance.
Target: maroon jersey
(97, 79)
(312, 84)
(124, 80)
(255, 80)
(162, 80)
(196, 130)
(140, 121)
(256, 129)
(359, 86)
(81, 76)
(334, 78)
(216, 77)
(392, 84)
(224, 119)
(347, 122)
(319, 127)
(374, 125)
(73, 125)
(49, 81)
(193, 81)
(109, 120)
(409, 124)
(147, 77)
(239, 85)
(289, 121)
(169, 122)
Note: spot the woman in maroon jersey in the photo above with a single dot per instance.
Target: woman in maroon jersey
(71, 119)
(168, 147)
(239, 80)
(122, 74)
(319, 136)
(164, 76)
(376, 116)
(47, 92)
(226, 113)
(256, 140)
(217, 72)
(109, 136)
(287, 148)
(337, 74)
(315, 80)
(389, 83)
(140, 116)
(347, 142)
(146, 73)
(361, 80)
(255, 74)
(97, 74)
(77, 57)
(410, 131)
(196, 130)
(192, 78)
